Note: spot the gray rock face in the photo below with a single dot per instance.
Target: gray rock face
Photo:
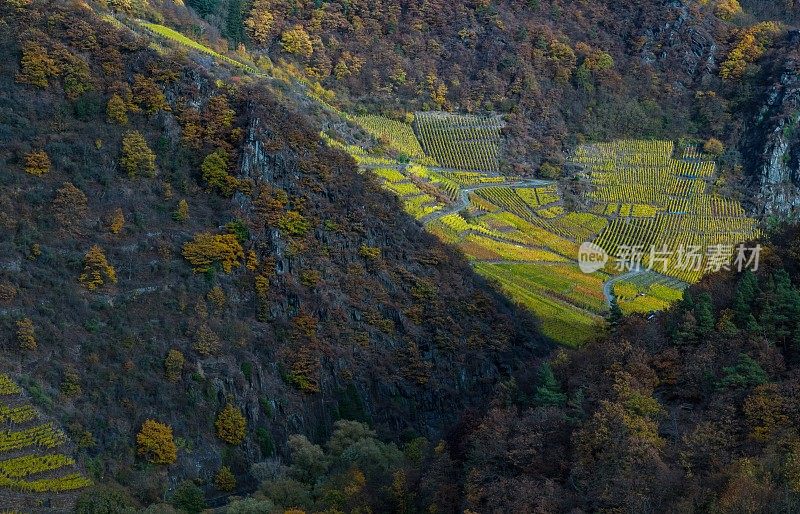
(778, 171)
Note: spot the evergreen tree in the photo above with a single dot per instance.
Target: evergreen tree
(549, 393)
(746, 373)
(746, 291)
(704, 314)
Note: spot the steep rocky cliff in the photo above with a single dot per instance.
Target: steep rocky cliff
(773, 140)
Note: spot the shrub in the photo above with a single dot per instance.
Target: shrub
(549, 171)
(231, 425)
(26, 335)
(173, 365)
(293, 223)
(225, 481)
(137, 158)
(116, 110)
(105, 500)
(7, 292)
(369, 252)
(250, 506)
(310, 277)
(156, 444)
(206, 249)
(37, 163)
(71, 384)
(714, 147)
(96, 269)
(189, 497)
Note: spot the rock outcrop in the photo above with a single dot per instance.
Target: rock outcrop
(775, 140)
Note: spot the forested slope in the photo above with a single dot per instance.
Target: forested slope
(185, 250)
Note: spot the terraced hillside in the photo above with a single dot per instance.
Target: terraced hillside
(519, 234)
(34, 471)
(460, 141)
(653, 199)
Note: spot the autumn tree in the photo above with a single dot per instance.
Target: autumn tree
(156, 444)
(224, 480)
(148, 95)
(71, 383)
(714, 147)
(727, 9)
(752, 44)
(206, 250)
(137, 158)
(181, 213)
(96, 269)
(206, 341)
(116, 110)
(765, 411)
(173, 365)
(218, 118)
(262, 296)
(231, 425)
(217, 297)
(70, 206)
(215, 173)
(259, 23)
(116, 221)
(37, 163)
(297, 41)
(26, 337)
(192, 128)
(293, 223)
(270, 202)
(36, 66)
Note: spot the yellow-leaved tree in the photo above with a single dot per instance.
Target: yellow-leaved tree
(206, 249)
(225, 481)
(259, 23)
(137, 158)
(37, 163)
(117, 221)
(173, 365)
(96, 269)
(117, 110)
(297, 41)
(231, 425)
(156, 444)
(26, 335)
